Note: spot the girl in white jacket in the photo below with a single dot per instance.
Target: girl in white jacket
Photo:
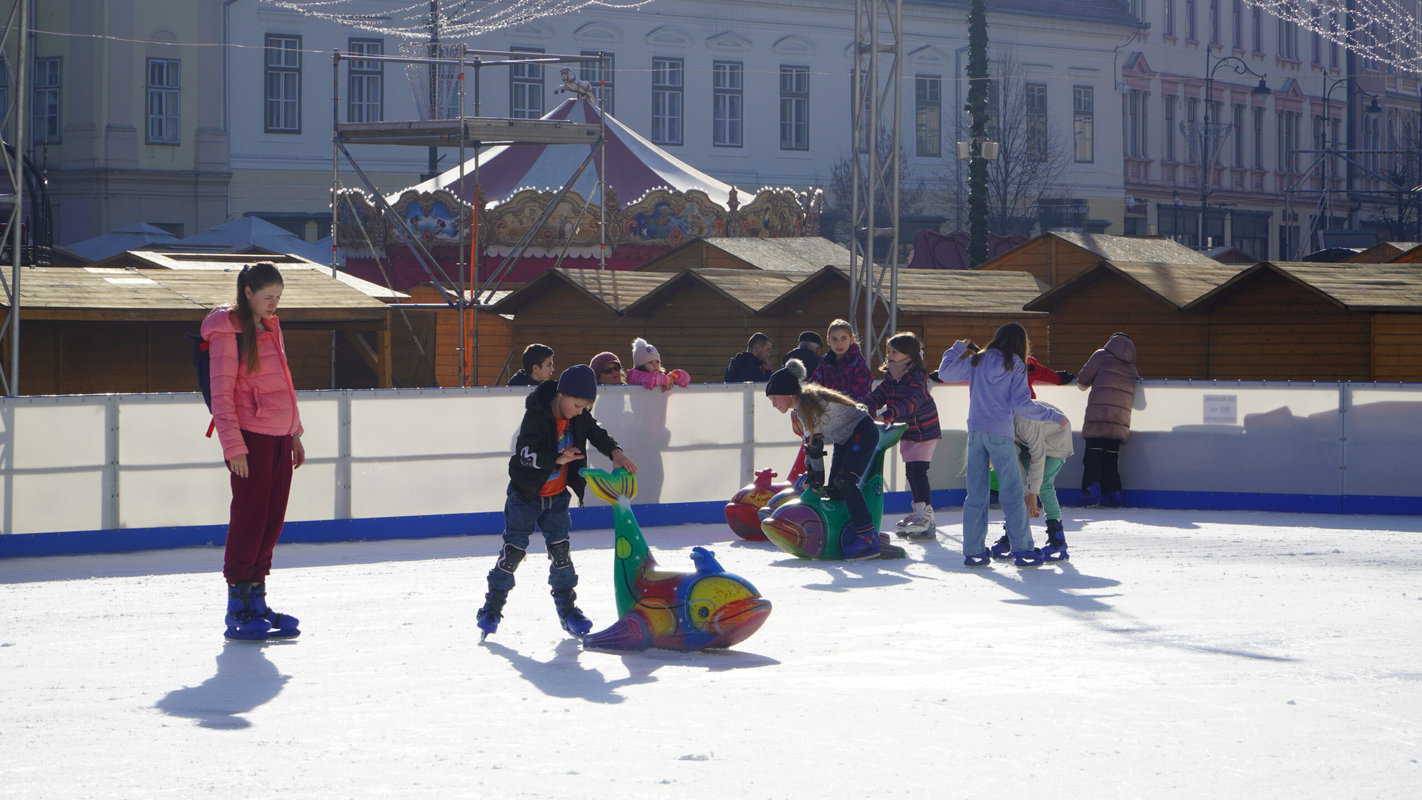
(1044, 448)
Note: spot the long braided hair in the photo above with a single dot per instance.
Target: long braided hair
(256, 277)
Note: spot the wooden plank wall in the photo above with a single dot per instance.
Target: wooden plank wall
(695, 328)
(1270, 328)
(691, 256)
(576, 327)
(1049, 260)
(1397, 347)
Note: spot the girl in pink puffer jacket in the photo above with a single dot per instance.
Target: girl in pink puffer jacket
(647, 368)
(1111, 375)
(254, 411)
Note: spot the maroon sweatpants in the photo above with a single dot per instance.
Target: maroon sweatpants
(258, 508)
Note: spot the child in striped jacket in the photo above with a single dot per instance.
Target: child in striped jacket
(904, 397)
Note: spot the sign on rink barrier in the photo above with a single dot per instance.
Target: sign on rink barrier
(84, 473)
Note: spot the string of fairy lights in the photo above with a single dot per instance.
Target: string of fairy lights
(454, 19)
(1383, 31)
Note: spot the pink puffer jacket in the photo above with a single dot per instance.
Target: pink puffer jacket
(1111, 375)
(658, 380)
(260, 402)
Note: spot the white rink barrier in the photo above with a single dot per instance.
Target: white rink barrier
(129, 464)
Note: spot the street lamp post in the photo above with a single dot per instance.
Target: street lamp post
(1331, 142)
(1206, 152)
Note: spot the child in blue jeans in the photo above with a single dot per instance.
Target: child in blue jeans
(997, 389)
(548, 455)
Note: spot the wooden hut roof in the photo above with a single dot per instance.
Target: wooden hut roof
(1383, 252)
(947, 291)
(233, 262)
(1123, 248)
(1177, 284)
(121, 293)
(1356, 287)
(804, 254)
(613, 289)
(752, 289)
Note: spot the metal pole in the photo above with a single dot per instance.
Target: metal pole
(874, 179)
(476, 206)
(856, 122)
(602, 173)
(896, 186)
(434, 83)
(1205, 152)
(463, 304)
(17, 242)
(335, 154)
(1328, 144)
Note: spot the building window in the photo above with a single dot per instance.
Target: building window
(1136, 131)
(1036, 95)
(1249, 233)
(1288, 158)
(1213, 131)
(448, 103)
(1138, 9)
(667, 83)
(928, 115)
(599, 74)
(1236, 20)
(283, 85)
(1238, 128)
(1288, 40)
(1258, 30)
(1258, 137)
(1191, 34)
(1170, 128)
(1083, 123)
(794, 108)
(1169, 17)
(727, 103)
(526, 87)
(1214, 21)
(1179, 224)
(164, 101)
(1288, 242)
(365, 82)
(1192, 130)
(46, 121)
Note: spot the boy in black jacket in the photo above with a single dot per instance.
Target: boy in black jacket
(549, 452)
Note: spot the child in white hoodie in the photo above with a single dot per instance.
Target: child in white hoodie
(1044, 448)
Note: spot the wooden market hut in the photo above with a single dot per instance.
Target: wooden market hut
(577, 312)
(804, 254)
(939, 305)
(115, 329)
(701, 318)
(1310, 321)
(1057, 257)
(1145, 300)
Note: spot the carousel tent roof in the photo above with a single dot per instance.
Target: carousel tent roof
(244, 232)
(118, 240)
(635, 166)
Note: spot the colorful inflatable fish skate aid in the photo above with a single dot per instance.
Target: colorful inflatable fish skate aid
(708, 608)
(747, 507)
(806, 524)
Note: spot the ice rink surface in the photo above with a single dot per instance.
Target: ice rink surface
(1177, 655)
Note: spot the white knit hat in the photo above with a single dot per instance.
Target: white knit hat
(642, 352)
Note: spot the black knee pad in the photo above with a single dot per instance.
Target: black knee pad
(510, 557)
(561, 554)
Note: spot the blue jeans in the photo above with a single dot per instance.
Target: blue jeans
(1001, 453)
(549, 515)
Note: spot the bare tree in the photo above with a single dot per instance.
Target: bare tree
(913, 189)
(1396, 206)
(1032, 155)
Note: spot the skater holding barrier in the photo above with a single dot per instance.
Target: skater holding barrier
(548, 457)
(647, 369)
(904, 396)
(997, 389)
(253, 402)
(538, 366)
(1111, 375)
(843, 368)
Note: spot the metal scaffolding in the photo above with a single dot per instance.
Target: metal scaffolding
(877, 105)
(19, 24)
(462, 291)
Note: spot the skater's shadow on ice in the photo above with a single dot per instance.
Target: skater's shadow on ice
(245, 679)
(564, 676)
(847, 576)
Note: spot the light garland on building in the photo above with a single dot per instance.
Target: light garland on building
(1383, 31)
(458, 19)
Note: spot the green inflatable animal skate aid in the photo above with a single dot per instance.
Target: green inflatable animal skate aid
(708, 608)
(809, 526)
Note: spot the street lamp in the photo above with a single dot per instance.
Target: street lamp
(1331, 143)
(1206, 155)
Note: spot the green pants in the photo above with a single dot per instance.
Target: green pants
(1047, 494)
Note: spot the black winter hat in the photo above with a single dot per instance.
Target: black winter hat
(812, 338)
(578, 381)
(786, 380)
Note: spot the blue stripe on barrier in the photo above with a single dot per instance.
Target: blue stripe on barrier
(593, 517)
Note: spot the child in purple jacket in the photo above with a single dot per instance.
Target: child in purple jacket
(843, 368)
(904, 397)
